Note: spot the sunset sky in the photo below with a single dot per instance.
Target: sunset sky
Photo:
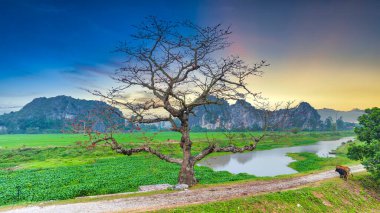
(324, 52)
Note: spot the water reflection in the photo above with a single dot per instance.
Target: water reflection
(269, 162)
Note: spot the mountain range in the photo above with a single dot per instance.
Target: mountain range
(46, 115)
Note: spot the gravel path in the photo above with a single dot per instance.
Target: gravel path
(155, 202)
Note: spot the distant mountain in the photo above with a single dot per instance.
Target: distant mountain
(53, 115)
(242, 115)
(347, 116)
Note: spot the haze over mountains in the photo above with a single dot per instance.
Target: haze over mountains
(44, 115)
(348, 116)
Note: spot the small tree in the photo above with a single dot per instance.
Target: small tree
(328, 123)
(368, 132)
(178, 67)
(340, 124)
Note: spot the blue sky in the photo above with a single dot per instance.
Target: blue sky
(50, 48)
(58, 47)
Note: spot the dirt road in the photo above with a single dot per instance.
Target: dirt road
(159, 201)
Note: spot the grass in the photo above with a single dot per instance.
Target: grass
(34, 174)
(360, 193)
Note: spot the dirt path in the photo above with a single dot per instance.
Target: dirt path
(159, 201)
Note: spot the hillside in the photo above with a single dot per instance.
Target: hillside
(347, 116)
(44, 115)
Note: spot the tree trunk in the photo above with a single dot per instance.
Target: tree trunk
(186, 174)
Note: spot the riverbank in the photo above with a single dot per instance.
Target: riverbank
(309, 162)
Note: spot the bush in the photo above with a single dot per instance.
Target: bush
(295, 130)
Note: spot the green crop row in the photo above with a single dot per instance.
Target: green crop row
(120, 174)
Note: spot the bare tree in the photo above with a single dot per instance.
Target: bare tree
(178, 67)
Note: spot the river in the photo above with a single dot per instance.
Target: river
(271, 162)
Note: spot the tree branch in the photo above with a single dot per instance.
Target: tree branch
(232, 148)
(119, 149)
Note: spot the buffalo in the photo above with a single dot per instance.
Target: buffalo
(344, 172)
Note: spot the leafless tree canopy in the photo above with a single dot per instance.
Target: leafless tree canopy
(178, 66)
(174, 63)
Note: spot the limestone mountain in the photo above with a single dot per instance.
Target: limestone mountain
(242, 115)
(53, 114)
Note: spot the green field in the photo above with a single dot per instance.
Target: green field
(43, 140)
(54, 140)
(55, 167)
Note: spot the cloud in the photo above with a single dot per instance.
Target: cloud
(91, 76)
(9, 107)
(89, 70)
(97, 69)
(6, 109)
